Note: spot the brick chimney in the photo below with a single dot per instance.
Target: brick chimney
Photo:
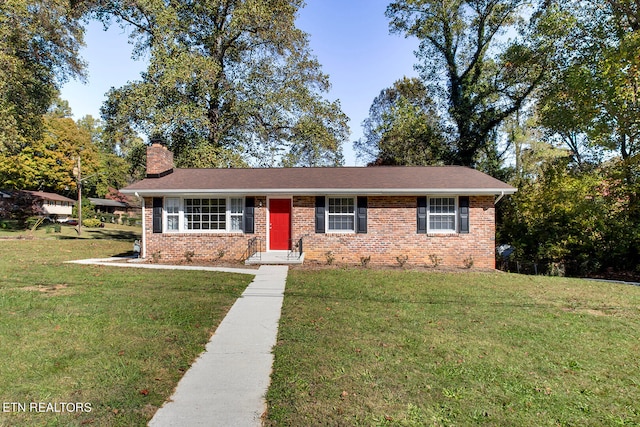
(159, 159)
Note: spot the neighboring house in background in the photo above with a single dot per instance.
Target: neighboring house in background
(380, 214)
(107, 206)
(53, 205)
(26, 203)
(114, 207)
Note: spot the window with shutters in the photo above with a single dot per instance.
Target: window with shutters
(341, 214)
(441, 215)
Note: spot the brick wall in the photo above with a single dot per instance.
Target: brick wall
(159, 159)
(391, 234)
(205, 246)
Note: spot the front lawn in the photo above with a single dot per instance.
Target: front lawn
(64, 231)
(364, 347)
(116, 339)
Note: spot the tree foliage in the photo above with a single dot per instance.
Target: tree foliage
(403, 127)
(225, 77)
(39, 50)
(579, 218)
(593, 95)
(480, 77)
(47, 163)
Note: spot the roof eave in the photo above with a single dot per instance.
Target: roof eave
(321, 191)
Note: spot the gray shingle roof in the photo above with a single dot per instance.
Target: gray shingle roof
(343, 180)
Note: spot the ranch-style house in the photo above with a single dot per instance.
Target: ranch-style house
(347, 215)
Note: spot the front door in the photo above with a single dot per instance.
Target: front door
(279, 224)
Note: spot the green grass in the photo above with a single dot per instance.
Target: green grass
(47, 232)
(118, 339)
(366, 347)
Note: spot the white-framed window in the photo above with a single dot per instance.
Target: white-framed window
(341, 214)
(191, 214)
(236, 214)
(172, 209)
(441, 214)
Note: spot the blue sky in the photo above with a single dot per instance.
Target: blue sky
(350, 38)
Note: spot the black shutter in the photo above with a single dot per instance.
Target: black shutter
(463, 209)
(421, 214)
(249, 208)
(361, 215)
(157, 214)
(320, 200)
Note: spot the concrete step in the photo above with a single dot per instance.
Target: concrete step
(275, 258)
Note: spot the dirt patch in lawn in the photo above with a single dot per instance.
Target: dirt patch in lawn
(50, 290)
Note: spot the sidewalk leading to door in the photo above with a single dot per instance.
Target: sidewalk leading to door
(226, 385)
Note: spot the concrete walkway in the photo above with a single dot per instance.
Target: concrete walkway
(226, 385)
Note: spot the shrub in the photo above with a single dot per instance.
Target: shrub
(10, 224)
(435, 260)
(330, 257)
(468, 262)
(364, 261)
(33, 221)
(91, 222)
(402, 260)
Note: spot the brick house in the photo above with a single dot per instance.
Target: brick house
(346, 215)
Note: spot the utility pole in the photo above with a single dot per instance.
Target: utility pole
(77, 171)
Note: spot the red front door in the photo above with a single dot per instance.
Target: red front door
(279, 224)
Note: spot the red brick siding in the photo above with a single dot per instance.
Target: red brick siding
(205, 246)
(391, 233)
(159, 159)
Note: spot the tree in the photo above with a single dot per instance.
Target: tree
(39, 50)
(47, 163)
(226, 77)
(403, 127)
(591, 101)
(481, 77)
(113, 170)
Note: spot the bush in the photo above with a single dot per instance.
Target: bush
(9, 224)
(32, 221)
(91, 223)
(107, 217)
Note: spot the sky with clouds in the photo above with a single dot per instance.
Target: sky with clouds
(350, 38)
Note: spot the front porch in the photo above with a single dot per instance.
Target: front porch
(256, 255)
(275, 258)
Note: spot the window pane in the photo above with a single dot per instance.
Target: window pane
(172, 205)
(341, 214)
(442, 213)
(213, 210)
(442, 205)
(341, 205)
(341, 222)
(237, 206)
(172, 222)
(442, 222)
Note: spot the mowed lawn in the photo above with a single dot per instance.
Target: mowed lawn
(366, 347)
(114, 338)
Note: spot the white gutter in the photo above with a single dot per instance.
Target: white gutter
(143, 253)
(502, 193)
(321, 191)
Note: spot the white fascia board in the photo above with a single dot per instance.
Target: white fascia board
(322, 191)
